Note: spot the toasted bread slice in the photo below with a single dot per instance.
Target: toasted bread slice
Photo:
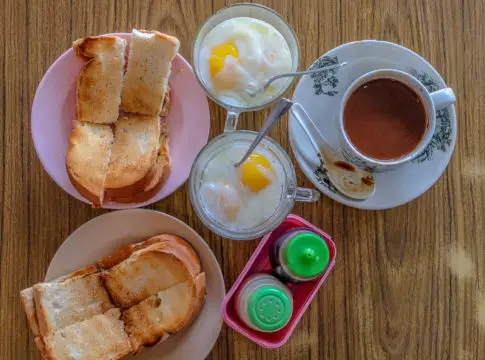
(87, 159)
(101, 79)
(201, 291)
(181, 249)
(146, 272)
(124, 253)
(166, 241)
(59, 304)
(101, 337)
(164, 313)
(27, 298)
(134, 154)
(149, 65)
(157, 175)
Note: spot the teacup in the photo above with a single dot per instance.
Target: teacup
(254, 11)
(431, 102)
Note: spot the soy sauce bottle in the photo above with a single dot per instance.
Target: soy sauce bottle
(299, 255)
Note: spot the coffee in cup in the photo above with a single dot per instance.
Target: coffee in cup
(387, 118)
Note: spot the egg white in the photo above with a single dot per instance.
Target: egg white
(263, 53)
(221, 186)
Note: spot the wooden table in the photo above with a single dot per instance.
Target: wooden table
(391, 294)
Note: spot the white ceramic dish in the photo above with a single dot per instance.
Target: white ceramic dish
(321, 95)
(104, 234)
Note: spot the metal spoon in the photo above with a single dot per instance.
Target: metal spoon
(281, 108)
(351, 181)
(253, 92)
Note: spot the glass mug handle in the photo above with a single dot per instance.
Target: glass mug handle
(231, 121)
(307, 195)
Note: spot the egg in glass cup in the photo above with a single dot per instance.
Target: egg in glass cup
(251, 200)
(237, 49)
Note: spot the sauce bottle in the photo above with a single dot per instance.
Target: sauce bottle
(264, 303)
(299, 255)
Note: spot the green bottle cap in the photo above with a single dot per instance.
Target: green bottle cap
(269, 308)
(307, 255)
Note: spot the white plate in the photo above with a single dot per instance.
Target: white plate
(321, 95)
(104, 234)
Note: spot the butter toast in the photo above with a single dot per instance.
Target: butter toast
(101, 337)
(165, 313)
(101, 78)
(87, 159)
(59, 304)
(133, 155)
(148, 271)
(149, 66)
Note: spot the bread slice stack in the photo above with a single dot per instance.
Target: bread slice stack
(136, 297)
(119, 147)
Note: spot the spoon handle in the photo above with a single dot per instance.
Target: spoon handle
(313, 133)
(306, 72)
(281, 107)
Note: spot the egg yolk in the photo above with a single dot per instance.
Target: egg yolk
(254, 172)
(219, 53)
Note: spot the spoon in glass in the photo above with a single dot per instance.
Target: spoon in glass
(255, 91)
(349, 180)
(281, 108)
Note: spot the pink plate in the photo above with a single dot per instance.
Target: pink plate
(54, 107)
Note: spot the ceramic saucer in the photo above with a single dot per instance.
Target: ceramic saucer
(105, 234)
(54, 110)
(321, 94)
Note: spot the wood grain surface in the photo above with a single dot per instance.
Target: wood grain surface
(391, 294)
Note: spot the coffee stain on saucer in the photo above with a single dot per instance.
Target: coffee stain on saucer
(368, 180)
(344, 165)
(460, 263)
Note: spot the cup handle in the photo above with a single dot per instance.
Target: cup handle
(307, 195)
(442, 98)
(231, 121)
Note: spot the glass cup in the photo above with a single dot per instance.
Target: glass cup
(289, 195)
(255, 11)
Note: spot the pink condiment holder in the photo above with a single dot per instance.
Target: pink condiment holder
(303, 292)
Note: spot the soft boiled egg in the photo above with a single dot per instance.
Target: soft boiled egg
(246, 196)
(256, 172)
(240, 54)
(224, 199)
